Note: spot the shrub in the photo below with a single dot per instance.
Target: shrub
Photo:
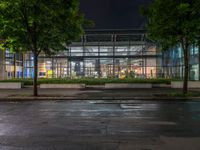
(89, 81)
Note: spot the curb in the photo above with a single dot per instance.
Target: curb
(4, 99)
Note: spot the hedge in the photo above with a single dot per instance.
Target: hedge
(87, 81)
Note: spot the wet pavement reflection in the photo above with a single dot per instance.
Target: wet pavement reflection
(99, 125)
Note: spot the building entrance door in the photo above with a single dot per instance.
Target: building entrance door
(77, 69)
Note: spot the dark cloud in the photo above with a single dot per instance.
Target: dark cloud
(114, 14)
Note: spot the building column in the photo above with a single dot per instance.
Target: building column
(129, 65)
(14, 65)
(84, 52)
(57, 73)
(61, 70)
(22, 55)
(114, 46)
(70, 65)
(99, 65)
(143, 61)
(52, 67)
(2, 65)
(199, 60)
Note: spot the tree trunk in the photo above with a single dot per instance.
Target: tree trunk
(35, 90)
(14, 63)
(186, 71)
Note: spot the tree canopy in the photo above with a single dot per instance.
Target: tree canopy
(39, 25)
(49, 24)
(172, 23)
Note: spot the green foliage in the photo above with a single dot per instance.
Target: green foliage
(89, 81)
(39, 25)
(45, 26)
(171, 21)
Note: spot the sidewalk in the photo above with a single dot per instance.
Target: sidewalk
(91, 94)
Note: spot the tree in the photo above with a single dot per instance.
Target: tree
(39, 25)
(172, 23)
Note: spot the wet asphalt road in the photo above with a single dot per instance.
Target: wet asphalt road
(100, 125)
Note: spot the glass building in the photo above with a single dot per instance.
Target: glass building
(173, 63)
(11, 65)
(98, 54)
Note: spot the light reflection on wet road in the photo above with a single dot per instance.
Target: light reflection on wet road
(99, 125)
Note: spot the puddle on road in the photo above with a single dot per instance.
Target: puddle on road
(139, 106)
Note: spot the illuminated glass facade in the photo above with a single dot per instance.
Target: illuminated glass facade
(106, 54)
(173, 63)
(98, 54)
(11, 60)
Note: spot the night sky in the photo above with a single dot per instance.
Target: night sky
(114, 14)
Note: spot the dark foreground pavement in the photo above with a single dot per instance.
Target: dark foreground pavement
(100, 125)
